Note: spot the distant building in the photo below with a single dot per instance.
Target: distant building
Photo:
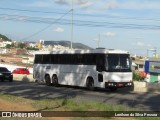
(4, 43)
(32, 45)
(60, 47)
(41, 41)
(28, 59)
(138, 65)
(3, 50)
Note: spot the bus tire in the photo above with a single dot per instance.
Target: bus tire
(90, 84)
(55, 80)
(48, 80)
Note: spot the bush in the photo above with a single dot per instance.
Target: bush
(139, 75)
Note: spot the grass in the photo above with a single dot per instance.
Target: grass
(70, 104)
(12, 98)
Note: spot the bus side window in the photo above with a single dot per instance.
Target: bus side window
(100, 63)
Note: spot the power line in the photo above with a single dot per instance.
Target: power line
(25, 10)
(45, 27)
(88, 15)
(78, 22)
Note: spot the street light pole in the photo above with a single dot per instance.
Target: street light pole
(98, 42)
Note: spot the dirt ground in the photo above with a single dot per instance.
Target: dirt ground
(9, 106)
(12, 106)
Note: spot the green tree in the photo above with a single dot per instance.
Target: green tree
(8, 46)
(21, 45)
(32, 48)
(3, 37)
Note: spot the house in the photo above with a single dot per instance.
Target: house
(6, 43)
(138, 64)
(28, 59)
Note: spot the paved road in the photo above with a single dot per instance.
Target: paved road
(139, 101)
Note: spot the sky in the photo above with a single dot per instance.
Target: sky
(132, 25)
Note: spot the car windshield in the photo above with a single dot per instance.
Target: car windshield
(3, 69)
(119, 63)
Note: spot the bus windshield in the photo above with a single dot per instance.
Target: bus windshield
(118, 63)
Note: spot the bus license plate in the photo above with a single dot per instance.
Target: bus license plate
(120, 85)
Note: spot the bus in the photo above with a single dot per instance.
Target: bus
(97, 68)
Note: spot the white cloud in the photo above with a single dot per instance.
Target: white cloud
(81, 3)
(110, 5)
(85, 4)
(127, 4)
(96, 39)
(149, 45)
(62, 2)
(138, 4)
(22, 18)
(59, 29)
(140, 43)
(100, 4)
(109, 34)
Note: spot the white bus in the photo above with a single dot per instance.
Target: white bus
(97, 68)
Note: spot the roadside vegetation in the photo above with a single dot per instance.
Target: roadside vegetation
(139, 75)
(72, 105)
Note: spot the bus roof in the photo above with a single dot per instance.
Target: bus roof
(74, 51)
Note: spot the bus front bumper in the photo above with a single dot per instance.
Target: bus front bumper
(119, 84)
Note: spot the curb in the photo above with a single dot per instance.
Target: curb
(26, 78)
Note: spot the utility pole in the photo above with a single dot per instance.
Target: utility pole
(155, 52)
(99, 40)
(72, 26)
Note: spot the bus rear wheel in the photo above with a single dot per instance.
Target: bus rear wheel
(90, 84)
(48, 80)
(55, 80)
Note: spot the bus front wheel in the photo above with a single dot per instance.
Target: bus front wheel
(90, 84)
(48, 80)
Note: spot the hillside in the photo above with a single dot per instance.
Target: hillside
(67, 44)
(4, 38)
(61, 42)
